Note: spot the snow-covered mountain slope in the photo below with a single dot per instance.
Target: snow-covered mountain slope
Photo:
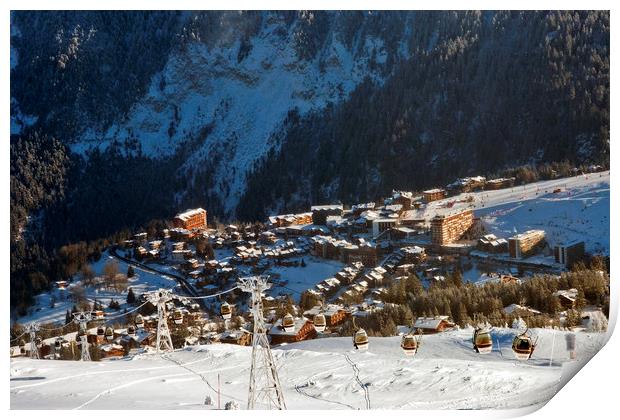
(578, 210)
(316, 374)
(236, 106)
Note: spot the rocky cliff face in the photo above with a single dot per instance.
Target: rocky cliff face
(216, 97)
(230, 85)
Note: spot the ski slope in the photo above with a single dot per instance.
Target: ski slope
(579, 211)
(318, 374)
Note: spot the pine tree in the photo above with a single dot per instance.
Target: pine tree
(131, 297)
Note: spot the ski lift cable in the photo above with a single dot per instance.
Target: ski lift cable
(19, 336)
(207, 296)
(125, 313)
(57, 328)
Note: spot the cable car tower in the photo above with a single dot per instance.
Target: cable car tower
(164, 341)
(264, 383)
(82, 319)
(32, 329)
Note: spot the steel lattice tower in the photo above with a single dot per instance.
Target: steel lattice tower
(32, 329)
(82, 319)
(164, 341)
(265, 386)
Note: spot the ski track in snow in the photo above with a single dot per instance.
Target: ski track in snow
(315, 374)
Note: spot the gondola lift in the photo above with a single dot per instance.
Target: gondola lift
(139, 321)
(288, 323)
(410, 344)
(360, 338)
(523, 346)
(178, 317)
(226, 310)
(482, 340)
(319, 322)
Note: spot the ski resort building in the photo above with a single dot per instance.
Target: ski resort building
(320, 213)
(446, 229)
(284, 220)
(433, 195)
(526, 244)
(191, 219)
(381, 225)
(404, 198)
(499, 183)
(569, 253)
(366, 253)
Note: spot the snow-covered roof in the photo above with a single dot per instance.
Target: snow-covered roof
(430, 323)
(276, 328)
(187, 214)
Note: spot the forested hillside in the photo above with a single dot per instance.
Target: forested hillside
(118, 118)
(482, 92)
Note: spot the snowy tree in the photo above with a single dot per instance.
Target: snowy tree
(231, 405)
(519, 324)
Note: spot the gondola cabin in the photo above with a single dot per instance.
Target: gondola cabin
(97, 314)
(360, 340)
(483, 342)
(58, 344)
(523, 347)
(139, 321)
(109, 334)
(131, 331)
(319, 322)
(288, 323)
(409, 344)
(178, 317)
(226, 311)
(100, 332)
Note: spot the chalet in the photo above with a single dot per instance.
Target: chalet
(358, 209)
(180, 254)
(499, 183)
(240, 337)
(320, 213)
(285, 220)
(412, 219)
(413, 255)
(433, 325)
(381, 225)
(365, 253)
(302, 330)
(375, 276)
(112, 350)
(140, 237)
(140, 252)
(468, 184)
(434, 194)
(334, 314)
(493, 244)
(568, 298)
(180, 234)
(404, 198)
